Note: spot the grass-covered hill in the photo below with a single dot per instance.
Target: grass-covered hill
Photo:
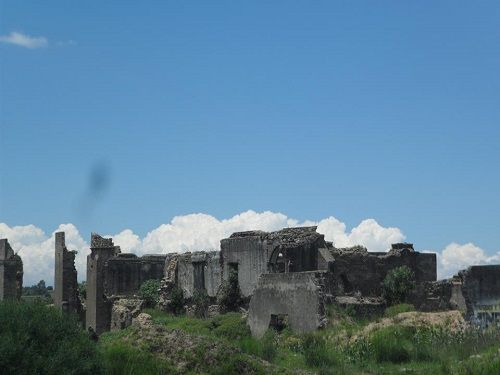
(37, 339)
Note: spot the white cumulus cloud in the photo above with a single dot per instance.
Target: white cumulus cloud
(456, 257)
(23, 40)
(203, 232)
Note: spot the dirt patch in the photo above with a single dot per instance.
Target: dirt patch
(451, 320)
(189, 353)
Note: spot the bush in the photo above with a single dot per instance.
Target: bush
(229, 297)
(392, 311)
(398, 284)
(176, 301)
(37, 339)
(269, 345)
(82, 290)
(317, 353)
(230, 326)
(120, 358)
(201, 300)
(150, 292)
(392, 344)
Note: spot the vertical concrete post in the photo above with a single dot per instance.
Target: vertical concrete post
(98, 315)
(66, 296)
(58, 270)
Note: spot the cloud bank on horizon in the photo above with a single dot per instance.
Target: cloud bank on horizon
(203, 232)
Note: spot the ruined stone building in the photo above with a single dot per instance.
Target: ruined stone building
(291, 274)
(111, 275)
(11, 272)
(286, 277)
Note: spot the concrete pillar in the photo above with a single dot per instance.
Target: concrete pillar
(66, 296)
(98, 315)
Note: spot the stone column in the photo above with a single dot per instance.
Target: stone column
(98, 315)
(66, 296)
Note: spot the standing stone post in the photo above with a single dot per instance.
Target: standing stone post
(66, 296)
(98, 314)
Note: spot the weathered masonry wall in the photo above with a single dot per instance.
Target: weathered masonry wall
(481, 291)
(295, 297)
(254, 253)
(11, 272)
(66, 295)
(364, 272)
(98, 314)
(125, 273)
(248, 255)
(195, 271)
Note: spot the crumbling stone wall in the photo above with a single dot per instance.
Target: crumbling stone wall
(294, 298)
(98, 314)
(11, 272)
(481, 292)
(190, 272)
(125, 273)
(358, 271)
(254, 253)
(66, 296)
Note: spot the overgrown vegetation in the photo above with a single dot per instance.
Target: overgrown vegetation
(394, 310)
(176, 301)
(398, 284)
(229, 297)
(39, 293)
(150, 292)
(82, 290)
(201, 300)
(39, 339)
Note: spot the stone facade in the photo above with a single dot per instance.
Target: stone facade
(11, 272)
(481, 292)
(356, 270)
(125, 273)
(254, 253)
(112, 275)
(294, 300)
(66, 296)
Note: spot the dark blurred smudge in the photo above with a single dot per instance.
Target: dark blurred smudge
(99, 179)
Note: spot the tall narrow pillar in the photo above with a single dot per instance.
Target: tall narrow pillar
(66, 296)
(98, 315)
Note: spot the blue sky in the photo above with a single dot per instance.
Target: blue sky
(128, 114)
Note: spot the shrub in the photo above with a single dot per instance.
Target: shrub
(230, 326)
(398, 284)
(150, 292)
(269, 345)
(201, 300)
(38, 339)
(120, 358)
(229, 297)
(176, 300)
(392, 344)
(317, 353)
(392, 311)
(82, 290)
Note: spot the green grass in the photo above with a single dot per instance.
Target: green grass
(392, 311)
(38, 339)
(119, 358)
